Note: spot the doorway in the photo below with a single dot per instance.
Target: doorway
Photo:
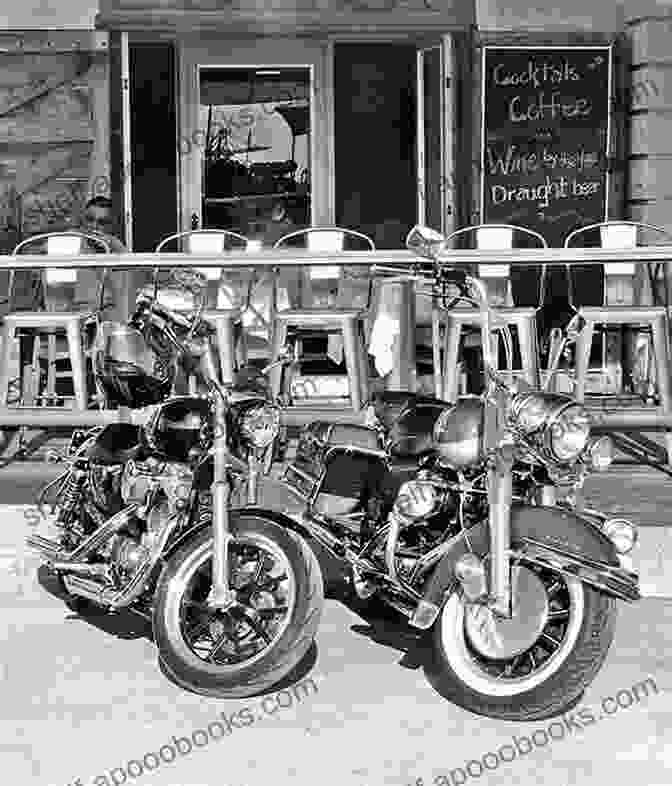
(154, 185)
(375, 139)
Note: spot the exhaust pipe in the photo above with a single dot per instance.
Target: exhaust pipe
(83, 569)
(48, 548)
(89, 589)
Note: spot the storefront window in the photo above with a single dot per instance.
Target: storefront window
(256, 149)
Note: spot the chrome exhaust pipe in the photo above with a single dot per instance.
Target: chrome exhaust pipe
(85, 569)
(47, 548)
(102, 534)
(89, 589)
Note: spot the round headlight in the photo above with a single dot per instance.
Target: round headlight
(260, 425)
(416, 499)
(569, 433)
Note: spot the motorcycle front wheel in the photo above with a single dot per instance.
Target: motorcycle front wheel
(246, 649)
(532, 667)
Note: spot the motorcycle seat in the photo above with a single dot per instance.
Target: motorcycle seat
(116, 444)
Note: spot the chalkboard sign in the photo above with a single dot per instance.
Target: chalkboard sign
(546, 127)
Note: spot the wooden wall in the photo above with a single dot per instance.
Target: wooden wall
(54, 129)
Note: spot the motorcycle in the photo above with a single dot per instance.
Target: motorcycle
(463, 517)
(160, 517)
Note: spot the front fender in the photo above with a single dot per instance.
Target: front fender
(281, 519)
(548, 536)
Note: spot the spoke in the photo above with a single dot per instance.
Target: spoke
(273, 581)
(557, 585)
(257, 628)
(269, 612)
(551, 640)
(217, 646)
(198, 629)
(532, 659)
(198, 604)
(559, 614)
(259, 570)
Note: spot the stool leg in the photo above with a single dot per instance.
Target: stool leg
(450, 381)
(436, 350)
(241, 345)
(662, 355)
(364, 361)
(5, 359)
(279, 333)
(77, 363)
(529, 351)
(51, 368)
(583, 347)
(227, 350)
(352, 362)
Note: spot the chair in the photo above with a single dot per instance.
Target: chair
(614, 303)
(51, 321)
(225, 315)
(340, 311)
(498, 279)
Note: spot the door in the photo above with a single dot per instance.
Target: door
(434, 137)
(250, 112)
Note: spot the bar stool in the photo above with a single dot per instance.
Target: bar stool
(52, 321)
(226, 319)
(345, 326)
(446, 340)
(615, 306)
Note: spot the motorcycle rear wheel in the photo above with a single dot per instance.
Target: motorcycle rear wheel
(283, 607)
(554, 666)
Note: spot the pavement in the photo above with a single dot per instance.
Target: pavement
(82, 700)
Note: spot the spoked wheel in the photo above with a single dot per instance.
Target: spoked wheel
(242, 650)
(532, 666)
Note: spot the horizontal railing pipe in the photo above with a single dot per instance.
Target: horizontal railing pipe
(282, 258)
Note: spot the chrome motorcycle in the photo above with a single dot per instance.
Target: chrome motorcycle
(160, 517)
(463, 517)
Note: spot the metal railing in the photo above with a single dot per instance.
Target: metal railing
(40, 417)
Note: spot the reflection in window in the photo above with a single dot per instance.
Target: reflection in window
(256, 154)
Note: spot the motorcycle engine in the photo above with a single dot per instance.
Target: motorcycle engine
(141, 478)
(167, 487)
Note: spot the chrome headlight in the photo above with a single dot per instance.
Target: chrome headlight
(555, 425)
(569, 433)
(260, 425)
(417, 499)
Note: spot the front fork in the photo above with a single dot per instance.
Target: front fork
(500, 492)
(221, 596)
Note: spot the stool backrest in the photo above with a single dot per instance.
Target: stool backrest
(68, 243)
(500, 237)
(331, 238)
(205, 241)
(615, 234)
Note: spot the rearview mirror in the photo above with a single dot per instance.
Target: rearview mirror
(425, 242)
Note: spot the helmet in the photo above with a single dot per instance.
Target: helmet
(175, 428)
(128, 372)
(459, 432)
